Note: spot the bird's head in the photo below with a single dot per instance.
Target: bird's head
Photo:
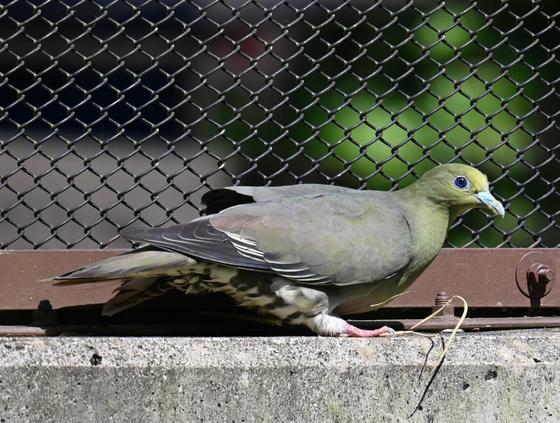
(460, 188)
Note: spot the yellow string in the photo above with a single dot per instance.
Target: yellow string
(453, 332)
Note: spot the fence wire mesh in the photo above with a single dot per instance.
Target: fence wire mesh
(119, 113)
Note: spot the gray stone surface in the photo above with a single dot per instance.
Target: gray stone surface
(487, 377)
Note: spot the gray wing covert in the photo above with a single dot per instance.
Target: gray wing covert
(333, 239)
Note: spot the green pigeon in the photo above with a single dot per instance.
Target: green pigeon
(305, 254)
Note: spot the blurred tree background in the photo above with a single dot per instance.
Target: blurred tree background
(133, 109)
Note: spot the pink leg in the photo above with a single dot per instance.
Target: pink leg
(364, 333)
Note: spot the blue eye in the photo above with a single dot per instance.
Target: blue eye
(461, 182)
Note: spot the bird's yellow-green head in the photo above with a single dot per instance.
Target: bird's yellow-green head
(460, 188)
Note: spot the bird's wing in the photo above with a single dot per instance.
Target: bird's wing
(197, 239)
(220, 199)
(338, 239)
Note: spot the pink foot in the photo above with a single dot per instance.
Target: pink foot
(364, 333)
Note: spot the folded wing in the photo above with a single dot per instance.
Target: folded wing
(339, 238)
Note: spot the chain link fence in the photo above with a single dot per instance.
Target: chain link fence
(119, 113)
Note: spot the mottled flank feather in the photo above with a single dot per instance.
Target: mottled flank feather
(135, 291)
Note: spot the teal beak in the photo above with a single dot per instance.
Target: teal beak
(490, 202)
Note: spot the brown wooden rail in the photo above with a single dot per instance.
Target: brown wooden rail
(487, 278)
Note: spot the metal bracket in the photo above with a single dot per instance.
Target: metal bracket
(44, 315)
(534, 276)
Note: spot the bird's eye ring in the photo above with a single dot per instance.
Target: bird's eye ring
(461, 182)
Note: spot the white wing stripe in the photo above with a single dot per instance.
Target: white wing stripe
(297, 271)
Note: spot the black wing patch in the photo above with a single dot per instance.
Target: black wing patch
(200, 240)
(223, 198)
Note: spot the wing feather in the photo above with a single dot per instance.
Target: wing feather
(334, 239)
(200, 240)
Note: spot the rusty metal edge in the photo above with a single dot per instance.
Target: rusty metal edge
(434, 325)
(485, 277)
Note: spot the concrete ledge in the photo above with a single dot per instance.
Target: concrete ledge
(500, 376)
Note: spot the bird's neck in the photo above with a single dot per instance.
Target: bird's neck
(455, 212)
(429, 223)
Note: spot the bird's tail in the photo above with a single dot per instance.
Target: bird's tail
(133, 265)
(144, 273)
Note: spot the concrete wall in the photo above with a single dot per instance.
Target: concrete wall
(487, 377)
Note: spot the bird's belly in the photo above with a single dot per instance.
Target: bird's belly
(368, 298)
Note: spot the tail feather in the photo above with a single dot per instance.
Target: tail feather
(135, 265)
(145, 274)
